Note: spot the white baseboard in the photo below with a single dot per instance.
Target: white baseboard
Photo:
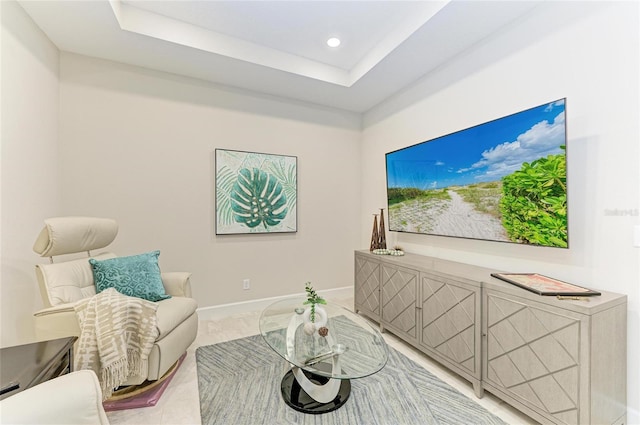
(224, 310)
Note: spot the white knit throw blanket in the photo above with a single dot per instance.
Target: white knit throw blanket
(117, 333)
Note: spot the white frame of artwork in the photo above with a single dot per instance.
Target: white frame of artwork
(238, 174)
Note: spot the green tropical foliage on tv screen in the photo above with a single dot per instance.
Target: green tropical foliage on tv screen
(534, 202)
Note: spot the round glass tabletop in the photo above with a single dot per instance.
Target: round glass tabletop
(357, 345)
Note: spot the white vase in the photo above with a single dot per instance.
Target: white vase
(321, 317)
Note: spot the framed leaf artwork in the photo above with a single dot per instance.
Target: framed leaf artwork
(255, 192)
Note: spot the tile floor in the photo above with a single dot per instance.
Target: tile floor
(180, 404)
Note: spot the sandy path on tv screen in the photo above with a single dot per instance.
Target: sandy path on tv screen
(453, 217)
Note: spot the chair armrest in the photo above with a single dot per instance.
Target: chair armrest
(57, 322)
(177, 284)
(74, 398)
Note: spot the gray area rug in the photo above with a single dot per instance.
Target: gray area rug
(239, 384)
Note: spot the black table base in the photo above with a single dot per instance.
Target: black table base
(298, 399)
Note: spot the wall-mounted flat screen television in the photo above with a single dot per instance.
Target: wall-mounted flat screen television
(504, 180)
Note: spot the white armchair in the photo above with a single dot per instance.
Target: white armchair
(62, 284)
(74, 398)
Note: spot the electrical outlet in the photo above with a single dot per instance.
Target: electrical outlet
(246, 284)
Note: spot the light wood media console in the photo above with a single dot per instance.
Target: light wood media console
(557, 361)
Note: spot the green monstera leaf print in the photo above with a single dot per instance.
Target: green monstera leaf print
(257, 198)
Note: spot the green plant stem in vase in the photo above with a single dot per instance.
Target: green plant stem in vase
(312, 299)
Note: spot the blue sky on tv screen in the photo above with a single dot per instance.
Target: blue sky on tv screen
(483, 153)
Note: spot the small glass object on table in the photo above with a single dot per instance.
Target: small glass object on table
(321, 366)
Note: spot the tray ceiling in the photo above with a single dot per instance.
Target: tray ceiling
(279, 47)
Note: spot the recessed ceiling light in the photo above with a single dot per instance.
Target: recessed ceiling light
(333, 42)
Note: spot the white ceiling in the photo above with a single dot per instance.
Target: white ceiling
(278, 47)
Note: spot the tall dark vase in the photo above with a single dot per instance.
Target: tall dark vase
(383, 237)
(375, 238)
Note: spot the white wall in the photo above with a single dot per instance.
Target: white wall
(586, 52)
(137, 145)
(29, 166)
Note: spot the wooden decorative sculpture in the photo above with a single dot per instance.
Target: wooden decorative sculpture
(383, 238)
(375, 238)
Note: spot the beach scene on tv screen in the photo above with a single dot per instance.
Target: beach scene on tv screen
(504, 180)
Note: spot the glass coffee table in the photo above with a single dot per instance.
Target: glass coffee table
(321, 366)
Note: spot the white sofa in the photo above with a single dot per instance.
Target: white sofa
(72, 399)
(63, 283)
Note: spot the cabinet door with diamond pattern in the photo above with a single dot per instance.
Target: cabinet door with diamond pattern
(367, 287)
(533, 354)
(399, 300)
(451, 322)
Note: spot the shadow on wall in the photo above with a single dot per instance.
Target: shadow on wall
(543, 20)
(158, 84)
(17, 317)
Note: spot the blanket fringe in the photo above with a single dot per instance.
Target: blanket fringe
(119, 371)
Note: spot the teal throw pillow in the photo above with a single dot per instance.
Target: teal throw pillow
(136, 276)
